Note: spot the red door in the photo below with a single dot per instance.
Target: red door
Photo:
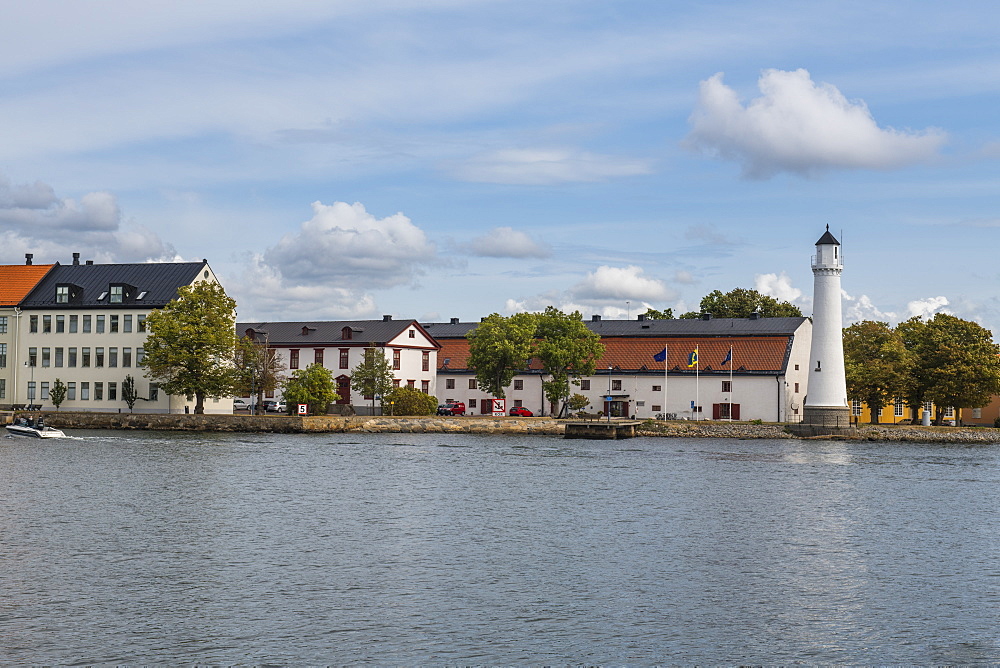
(344, 389)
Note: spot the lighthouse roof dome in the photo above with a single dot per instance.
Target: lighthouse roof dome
(827, 239)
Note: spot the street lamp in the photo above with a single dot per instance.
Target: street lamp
(31, 384)
(609, 393)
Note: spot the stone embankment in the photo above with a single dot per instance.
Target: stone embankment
(486, 425)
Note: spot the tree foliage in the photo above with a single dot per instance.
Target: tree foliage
(410, 401)
(567, 349)
(741, 303)
(57, 394)
(189, 350)
(129, 393)
(373, 375)
(875, 361)
(313, 386)
(654, 314)
(500, 348)
(258, 370)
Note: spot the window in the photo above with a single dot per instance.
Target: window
(727, 386)
(949, 412)
(449, 383)
(796, 388)
(46, 324)
(140, 322)
(33, 326)
(3, 388)
(395, 382)
(140, 354)
(46, 357)
(293, 359)
(85, 357)
(71, 391)
(45, 390)
(127, 324)
(3, 355)
(32, 356)
(616, 386)
(413, 334)
(3, 324)
(84, 391)
(425, 386)
(114, 324)
(657, 388)
(59, 356)
(112, 391)
(100, 324)
(126, 357)
(472, 403)
(411, 383)
(112, 357)
(31, 390)
(318, 357)
(86, 329)
(395, 360)
(62, 294)
(977, 413)
(344, 358)
(518, 402)
(855, 407)
(425, 361)
(154, 392)
(518, 384)
(74, 324)
(796, 367)
(472, 384)
(898, 408)
(347, 334)
(99, 391)
(585, 384)
(98, 356)
(72, 357)
(116, 294)
(656, 408)
(60, 324)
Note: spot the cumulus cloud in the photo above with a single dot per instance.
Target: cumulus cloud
(862, 308)
(620, 283)
(799, 126)
(926, 308)
(38, 221)
(778, 286)
(547, 166)
(507, 242)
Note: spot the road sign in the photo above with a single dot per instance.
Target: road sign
(499, 409)
(303, 409)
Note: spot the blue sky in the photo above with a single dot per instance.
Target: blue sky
(446, 158)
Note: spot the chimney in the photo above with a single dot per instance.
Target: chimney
(595, 318)
(386, 318)
(454, 321)
(755, 316)
(27, 258)
(641, 316)
(76, 259)
(706, 316)
(90, 263)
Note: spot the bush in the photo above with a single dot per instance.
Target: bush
(409, 401)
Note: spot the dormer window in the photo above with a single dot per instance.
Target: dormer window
(116, 294)
(62, 294)
(346, 334)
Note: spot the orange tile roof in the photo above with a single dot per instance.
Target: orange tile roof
(17, 280)
(750, 353)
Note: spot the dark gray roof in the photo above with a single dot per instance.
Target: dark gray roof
(655, 328)
(362, 331)
(827, 239)
(158, 280)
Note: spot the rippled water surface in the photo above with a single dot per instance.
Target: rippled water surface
(402, 549)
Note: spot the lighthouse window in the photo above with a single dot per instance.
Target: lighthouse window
(834, 252)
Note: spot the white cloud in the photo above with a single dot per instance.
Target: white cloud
(507, 242)
(801, 127)
(778, 286)
(547, 166)
(926, 308)
(684, 277)
(862, 308)
(620, 283)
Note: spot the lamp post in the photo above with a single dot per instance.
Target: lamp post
(609, 392)
(31, 383)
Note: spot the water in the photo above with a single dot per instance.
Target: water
(123, 547)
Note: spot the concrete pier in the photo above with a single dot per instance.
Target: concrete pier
(613, 430)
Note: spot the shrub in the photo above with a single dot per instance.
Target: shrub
(409, 401)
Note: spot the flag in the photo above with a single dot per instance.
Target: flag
(729, 357)
(693, 358)
(661, 356)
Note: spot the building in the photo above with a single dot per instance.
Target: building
(16, 281)
(744, 369)
(340, 346)
(85, 325)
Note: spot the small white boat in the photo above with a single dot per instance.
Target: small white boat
(34, 431)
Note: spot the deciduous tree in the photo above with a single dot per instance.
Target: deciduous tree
(876, 362)
(373, 375)
(500, 348)
(313, 386)
(567, 349)
(258, 370)
(57, 394)
(129, 394)
(741, 303)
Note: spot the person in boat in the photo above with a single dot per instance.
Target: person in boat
(29, 421)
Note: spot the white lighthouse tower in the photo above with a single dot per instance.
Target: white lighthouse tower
(826, 402)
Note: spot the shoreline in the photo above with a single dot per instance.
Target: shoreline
(546, 426)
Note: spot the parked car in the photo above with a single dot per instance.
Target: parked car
(521, 411)
(451, 408)
(240, 405)
(276, 406)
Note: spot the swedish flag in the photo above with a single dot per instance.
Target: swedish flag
(693, 358)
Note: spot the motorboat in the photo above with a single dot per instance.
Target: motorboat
(33, 430)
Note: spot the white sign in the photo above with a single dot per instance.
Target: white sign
(303, 409)
(498, 407)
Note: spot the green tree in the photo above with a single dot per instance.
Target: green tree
(500, 348)
(876, 363)
(956, 361)
(190, 346)
(373, 375)
(313, 386)
(129, 394)
(916, 386)
(410, 401)
(741, 303)
(567, 349)
(258, 370)
(57, 394)
(578, 402)
(665, 314)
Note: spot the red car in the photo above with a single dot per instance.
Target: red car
(521, 411)
(452, 408)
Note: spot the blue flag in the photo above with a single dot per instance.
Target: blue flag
(729, 357)
(661, 356)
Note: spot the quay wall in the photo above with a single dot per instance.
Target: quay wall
(484, 425)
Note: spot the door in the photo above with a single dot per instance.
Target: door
(344, 389)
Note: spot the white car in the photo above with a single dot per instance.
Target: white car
(277, 407)
(240, 405)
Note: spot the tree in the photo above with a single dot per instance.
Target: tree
(741, 303)
(913, 333)
(189, 350)
(57, 394)
(129, 394)
(313, 386)
(258, 370)
(578, 402)
(411, 401)
(876, 363)
(567, 349)
(665, 314)
(500, 348)
(373, 375)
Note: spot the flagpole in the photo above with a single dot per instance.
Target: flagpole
(731, 388)
(697, 373)
(666, 365)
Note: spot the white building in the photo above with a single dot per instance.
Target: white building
(746, 369)
(340, 346)
(85, 325)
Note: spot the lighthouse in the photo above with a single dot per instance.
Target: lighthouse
(826, 406)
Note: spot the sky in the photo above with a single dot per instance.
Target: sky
(434, 159)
